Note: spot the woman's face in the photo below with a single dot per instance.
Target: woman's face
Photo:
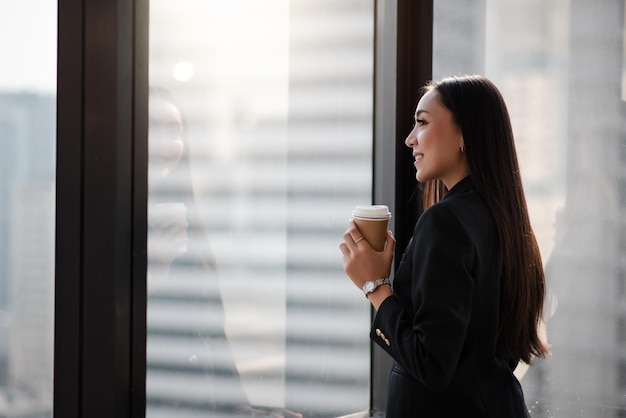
(165, 136)
(436, 141)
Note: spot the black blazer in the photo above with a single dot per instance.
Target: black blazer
(441, 325)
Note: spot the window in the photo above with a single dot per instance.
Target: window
(260, 146)
(559, 67)
(278, 131)
(27, 207)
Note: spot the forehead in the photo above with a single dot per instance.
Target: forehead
(429, 102)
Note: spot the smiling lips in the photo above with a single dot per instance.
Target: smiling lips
(418, 157)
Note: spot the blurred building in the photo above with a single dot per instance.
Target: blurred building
(586, 271)
(329, 171)
(27, 161)
(279, 119)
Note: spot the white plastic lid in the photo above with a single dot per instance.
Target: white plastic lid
(375, 212)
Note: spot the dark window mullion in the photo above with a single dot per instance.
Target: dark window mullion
(97, 199)
(68, 264)
(139, 210)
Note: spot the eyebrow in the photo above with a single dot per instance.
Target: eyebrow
(419, 112)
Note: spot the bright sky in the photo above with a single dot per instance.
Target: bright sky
(28, 36)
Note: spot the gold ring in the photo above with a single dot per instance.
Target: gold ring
(357, 241)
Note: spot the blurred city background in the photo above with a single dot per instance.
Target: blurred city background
(272, 101)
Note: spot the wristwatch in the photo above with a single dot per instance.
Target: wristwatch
(372, 285)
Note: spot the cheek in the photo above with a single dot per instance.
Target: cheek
(428, 141)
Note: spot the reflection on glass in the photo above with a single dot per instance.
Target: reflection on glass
(260, 146)
(27, 182)
(185, 313)
(559, 66)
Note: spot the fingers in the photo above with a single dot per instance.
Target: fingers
(344, 249)
(390, 244)
(352, 237)
(350, 245)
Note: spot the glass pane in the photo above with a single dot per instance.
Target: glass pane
(260, 146)
(27, 184)
(560, 67)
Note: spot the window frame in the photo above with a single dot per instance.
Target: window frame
(101, 183)
(101, 190)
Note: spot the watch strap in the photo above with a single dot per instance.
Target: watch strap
(377, 283)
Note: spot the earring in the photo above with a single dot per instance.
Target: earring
(463, 148)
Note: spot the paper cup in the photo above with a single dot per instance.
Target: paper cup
(373, 221)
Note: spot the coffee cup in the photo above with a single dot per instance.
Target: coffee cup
(372, 221)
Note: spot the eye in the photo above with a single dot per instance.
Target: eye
(420, 122)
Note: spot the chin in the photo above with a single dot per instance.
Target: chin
(422, 178)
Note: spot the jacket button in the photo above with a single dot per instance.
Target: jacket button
(387, 342)
(378, 332)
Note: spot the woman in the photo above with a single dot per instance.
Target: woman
(468, 294)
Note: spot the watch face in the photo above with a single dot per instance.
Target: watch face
(369, 286)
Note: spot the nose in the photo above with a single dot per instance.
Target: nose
(411, 139)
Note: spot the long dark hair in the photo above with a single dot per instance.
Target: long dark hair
(481, 113)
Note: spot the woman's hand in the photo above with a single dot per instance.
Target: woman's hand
(360, 261)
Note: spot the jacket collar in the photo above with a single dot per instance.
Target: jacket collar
(462, 186)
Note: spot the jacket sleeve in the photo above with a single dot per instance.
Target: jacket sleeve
(428, 343)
